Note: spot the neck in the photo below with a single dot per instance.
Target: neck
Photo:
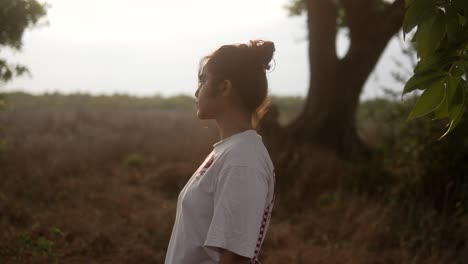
(231, 123)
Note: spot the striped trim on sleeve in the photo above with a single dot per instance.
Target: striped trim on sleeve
(263, 227)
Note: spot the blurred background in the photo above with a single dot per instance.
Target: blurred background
(148, 47)
(99, 133)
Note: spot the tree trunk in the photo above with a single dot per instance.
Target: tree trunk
(328, 117)
(327, 123)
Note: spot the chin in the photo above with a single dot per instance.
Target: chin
(200, 115)
(203, 116)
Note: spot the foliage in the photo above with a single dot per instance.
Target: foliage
(16, 16)
(441, 41)
(298, 7)
(429, 170)
(74, 101)
(290, 106)
(28, 244)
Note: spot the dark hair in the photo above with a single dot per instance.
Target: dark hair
(245, 65)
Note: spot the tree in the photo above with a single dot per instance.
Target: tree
(328, 117)
(441, 42)
(15, 17)
(324, 136)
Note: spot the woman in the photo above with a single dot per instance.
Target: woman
(224, 210)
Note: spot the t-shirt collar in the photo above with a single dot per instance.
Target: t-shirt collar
(240, 134)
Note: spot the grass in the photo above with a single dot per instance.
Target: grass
(94, 184)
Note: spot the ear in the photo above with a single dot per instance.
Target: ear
(226, 88)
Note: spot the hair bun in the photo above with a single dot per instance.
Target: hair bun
(263, 51)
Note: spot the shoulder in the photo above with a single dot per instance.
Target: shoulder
(250, 153)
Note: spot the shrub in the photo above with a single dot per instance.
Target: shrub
(432, 170)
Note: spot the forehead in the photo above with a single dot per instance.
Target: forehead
(205, 72)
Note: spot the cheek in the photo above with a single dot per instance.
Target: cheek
(204, 96)
(208, 107)
(205, 104)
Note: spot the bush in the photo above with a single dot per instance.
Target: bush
(427, 169)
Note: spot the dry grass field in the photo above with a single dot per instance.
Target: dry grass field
(99, 185)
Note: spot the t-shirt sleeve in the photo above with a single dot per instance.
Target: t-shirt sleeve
(239, 202)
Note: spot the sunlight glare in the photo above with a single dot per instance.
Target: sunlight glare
(155, 20)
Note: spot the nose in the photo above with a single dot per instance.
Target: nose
(196, 92)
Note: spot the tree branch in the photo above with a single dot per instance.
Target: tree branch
(364, 15)
(358, 13)
(371, 31)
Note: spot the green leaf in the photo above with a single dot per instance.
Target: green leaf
(422, 81)
(454, 122)
(453, 25)
(458, 69)
(417, 11)
(411, 19)
(462, 19)
(442, 110)
(457, 107)
(465, 63)
(429, 100)
(436, 62)
(451, 85)
(429, 35)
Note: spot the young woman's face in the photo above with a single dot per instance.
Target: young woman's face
(208, 96)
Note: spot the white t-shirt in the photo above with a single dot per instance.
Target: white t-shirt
(227, 203)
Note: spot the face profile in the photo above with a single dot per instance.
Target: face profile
(205, 96)
(212, 95)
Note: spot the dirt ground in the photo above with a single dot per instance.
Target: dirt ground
(84, 186)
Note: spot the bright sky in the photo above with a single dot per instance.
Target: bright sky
(147, 47)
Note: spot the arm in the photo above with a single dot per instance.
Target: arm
(228, 257)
